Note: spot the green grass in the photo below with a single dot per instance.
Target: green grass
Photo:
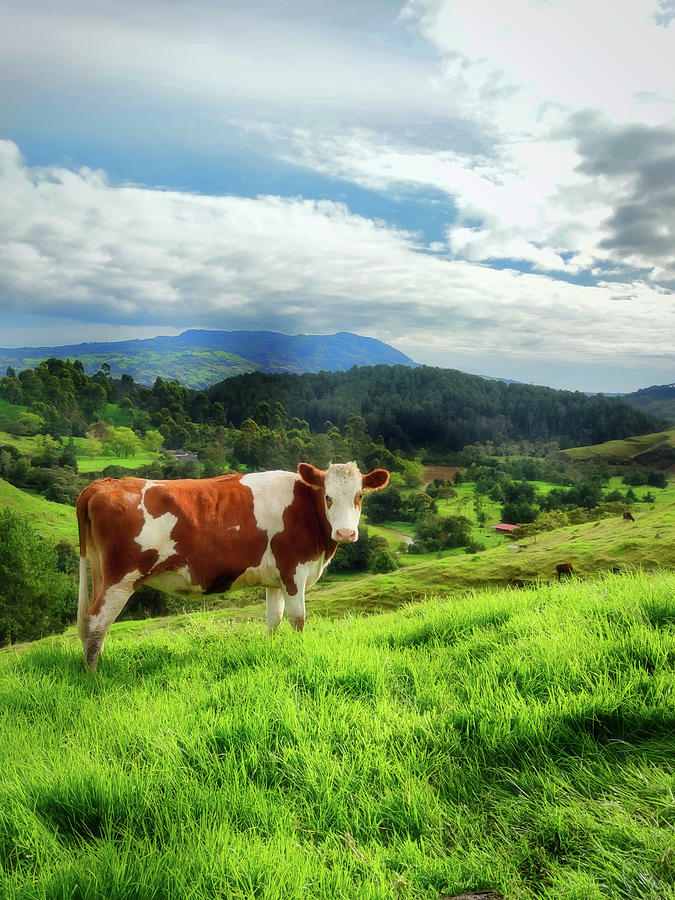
(662, 496)
(10, 412)
(627, 449)
(23, 444)
(99, 463)
(53, 520)
(520, 741)
(592, 548)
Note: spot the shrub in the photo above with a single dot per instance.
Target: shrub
(474, 547)
(383, 562)
(441, 533)
(357, 557)
(35, 598)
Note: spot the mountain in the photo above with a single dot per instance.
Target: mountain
(200, 358)
(658, 400)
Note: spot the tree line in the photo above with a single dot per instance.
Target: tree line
(403, 409)
(435, 408)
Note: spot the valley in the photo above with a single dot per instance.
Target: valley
(454, 715)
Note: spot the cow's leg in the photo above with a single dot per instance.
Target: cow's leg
(295, 608)
(102, 613)
(274, 607)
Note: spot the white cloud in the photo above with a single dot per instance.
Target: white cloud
(529, 75)
(548, 126)
(527, 61)
(70, 243)
(213, 55)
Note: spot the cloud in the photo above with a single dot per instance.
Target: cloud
(223, 59)
(73, 244)
(572, 113)
(639, 161)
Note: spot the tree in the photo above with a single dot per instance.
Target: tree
(153, 441)
(35, 598)
(122, 442)
(479, 509)
(442, 532)
(359, 556)
(383, 562)
(91, 447)
(383, 506)
(29, 423)
(67, 456)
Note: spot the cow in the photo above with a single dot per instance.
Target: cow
(564, 570)
(628, 516)
(205, 536)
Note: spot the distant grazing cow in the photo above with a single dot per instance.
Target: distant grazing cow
(564, 570)
(275, 529)
(628, 517)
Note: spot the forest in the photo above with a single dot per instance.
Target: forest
(408, 409)
(440, 409)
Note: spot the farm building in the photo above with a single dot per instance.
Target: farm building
(503, 528)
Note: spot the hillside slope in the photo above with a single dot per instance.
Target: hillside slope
(54, 521)
(519, 741)
(592, 548)
(658, 400)
(200, 358)
(656, 449)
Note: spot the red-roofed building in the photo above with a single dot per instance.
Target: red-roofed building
(503, 528)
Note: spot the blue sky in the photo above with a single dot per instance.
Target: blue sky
(485, 186)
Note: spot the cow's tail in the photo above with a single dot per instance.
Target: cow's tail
(83, 594)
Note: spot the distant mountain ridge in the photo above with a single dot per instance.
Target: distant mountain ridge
(200, 358)
(658, 400)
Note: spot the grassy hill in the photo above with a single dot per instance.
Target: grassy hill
(515, 740)
(643, 448)
(53, 520)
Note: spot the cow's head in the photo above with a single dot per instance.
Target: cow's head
(342, 487)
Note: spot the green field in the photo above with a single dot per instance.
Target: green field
(99, 463)
(23, 444)
(10, 412)
(520, 740)
(627, 449)
(592, 548)
(53, 520)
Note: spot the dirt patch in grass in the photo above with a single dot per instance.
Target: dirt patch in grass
(447, 472)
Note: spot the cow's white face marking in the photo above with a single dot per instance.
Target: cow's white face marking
(156, 531)
(343, 486)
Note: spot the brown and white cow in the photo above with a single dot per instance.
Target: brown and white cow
(275, 529)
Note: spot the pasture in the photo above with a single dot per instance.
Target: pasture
(53, 520)
(515, 740)
(631, 448)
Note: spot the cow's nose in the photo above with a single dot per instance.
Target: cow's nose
(345, 535)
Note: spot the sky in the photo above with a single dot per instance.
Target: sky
(485, 186)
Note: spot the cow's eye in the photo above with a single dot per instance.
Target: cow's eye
(329, 501)
(358, 498)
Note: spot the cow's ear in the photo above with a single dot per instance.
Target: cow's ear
(310, 474)
(378, 478)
